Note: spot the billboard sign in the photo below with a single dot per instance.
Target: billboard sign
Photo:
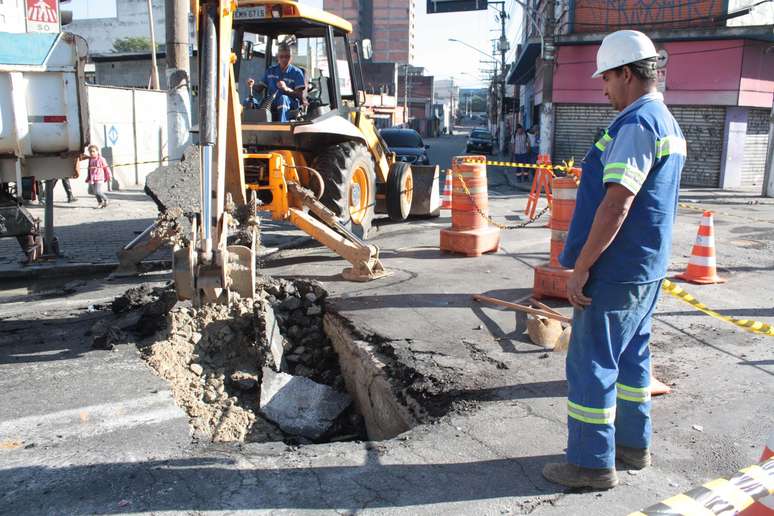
(43, 16)
(453, 6)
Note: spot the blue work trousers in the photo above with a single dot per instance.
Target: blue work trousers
(608, 372)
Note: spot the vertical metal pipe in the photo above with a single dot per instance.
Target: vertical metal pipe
(208, 117)
(49, 217)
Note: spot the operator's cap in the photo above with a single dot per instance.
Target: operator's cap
(623, 47)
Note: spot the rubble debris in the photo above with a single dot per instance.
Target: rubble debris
(215, 357)
(299, 405)
(177, 186)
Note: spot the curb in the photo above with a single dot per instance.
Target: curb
(48, 271)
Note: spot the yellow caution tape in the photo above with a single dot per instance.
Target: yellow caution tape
(746, 324)
(724, 213)
(566, 167)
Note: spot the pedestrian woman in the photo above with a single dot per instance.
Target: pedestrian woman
(520, 151)
(98, 176)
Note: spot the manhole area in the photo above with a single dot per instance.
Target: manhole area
(257, 370)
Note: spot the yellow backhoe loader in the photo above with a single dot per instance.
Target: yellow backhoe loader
(323, 170)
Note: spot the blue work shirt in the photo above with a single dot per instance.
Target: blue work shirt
(644, 151)
(294, 79)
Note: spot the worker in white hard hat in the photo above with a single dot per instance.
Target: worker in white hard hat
(618, 246)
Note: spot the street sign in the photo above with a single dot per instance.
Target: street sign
(43, 16)
(451, 6)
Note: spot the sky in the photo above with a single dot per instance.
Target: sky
(445, 59)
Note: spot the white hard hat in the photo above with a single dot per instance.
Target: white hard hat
(623, 47)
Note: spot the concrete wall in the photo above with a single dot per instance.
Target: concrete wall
(132, 21)
(130, 128)
(380, 77)
(12, 16)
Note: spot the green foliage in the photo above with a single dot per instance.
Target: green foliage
(477, 104)
(132, 44)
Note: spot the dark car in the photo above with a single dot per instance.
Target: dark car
(407, 145)
(481, 140)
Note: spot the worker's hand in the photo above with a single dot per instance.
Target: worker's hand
(282, 86)
(575, 284)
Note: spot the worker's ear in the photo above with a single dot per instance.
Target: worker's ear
(627, 74)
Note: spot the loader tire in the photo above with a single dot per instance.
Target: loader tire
(350, 185)
(400, 191)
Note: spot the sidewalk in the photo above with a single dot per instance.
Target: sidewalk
(86, 235)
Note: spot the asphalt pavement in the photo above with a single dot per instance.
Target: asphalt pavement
(89, 431)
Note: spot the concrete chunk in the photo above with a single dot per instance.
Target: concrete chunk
(272, 336)
(299, 405)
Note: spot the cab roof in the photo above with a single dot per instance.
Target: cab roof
(305, 12)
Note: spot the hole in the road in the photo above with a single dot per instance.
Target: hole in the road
(275, 369)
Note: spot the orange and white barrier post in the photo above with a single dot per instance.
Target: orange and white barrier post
(470, 233)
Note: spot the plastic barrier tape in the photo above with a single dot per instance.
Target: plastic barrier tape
(745, 324)
(719, 496)
(724, 213)
(568, 168)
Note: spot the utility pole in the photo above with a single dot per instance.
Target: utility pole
(768, 172)
(178, 73)
(547, 104)
(154, 65)
(503, 47)
(405, 95)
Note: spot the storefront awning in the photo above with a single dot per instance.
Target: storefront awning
(523, 70)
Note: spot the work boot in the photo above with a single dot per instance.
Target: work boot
(636, 458)
(71, 199)
(570, 475)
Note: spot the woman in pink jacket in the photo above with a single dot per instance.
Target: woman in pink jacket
(98, 176)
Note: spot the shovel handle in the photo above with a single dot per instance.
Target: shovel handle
(522, 308)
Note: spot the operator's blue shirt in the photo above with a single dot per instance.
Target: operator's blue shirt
(294, 79)
(643, 150)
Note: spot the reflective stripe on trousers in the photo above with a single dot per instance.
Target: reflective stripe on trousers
(608, 372)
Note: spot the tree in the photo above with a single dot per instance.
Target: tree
(477, 104)
(132, 44)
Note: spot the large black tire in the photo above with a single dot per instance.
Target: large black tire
(400, 191)
(347, 169)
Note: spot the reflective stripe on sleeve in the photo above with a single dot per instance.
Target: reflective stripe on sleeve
(625, 174)
(671, 145)
(591, 415)
(633, 394)
(602, 142)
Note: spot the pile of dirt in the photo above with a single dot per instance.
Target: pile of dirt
(213, 358)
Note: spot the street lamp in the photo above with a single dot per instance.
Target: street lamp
(489, 57)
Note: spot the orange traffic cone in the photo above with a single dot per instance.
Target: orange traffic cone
(702, 267)
(764, 506)
(446, 202)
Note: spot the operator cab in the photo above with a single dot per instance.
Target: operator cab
(319, 45)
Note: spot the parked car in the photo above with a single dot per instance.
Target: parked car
(407, 144)
(481, 140)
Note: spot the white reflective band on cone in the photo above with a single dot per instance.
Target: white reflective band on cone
(705, 241)
(565, 194)
(706, 261)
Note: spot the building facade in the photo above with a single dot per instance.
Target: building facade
(389, 24)
(715, 71)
